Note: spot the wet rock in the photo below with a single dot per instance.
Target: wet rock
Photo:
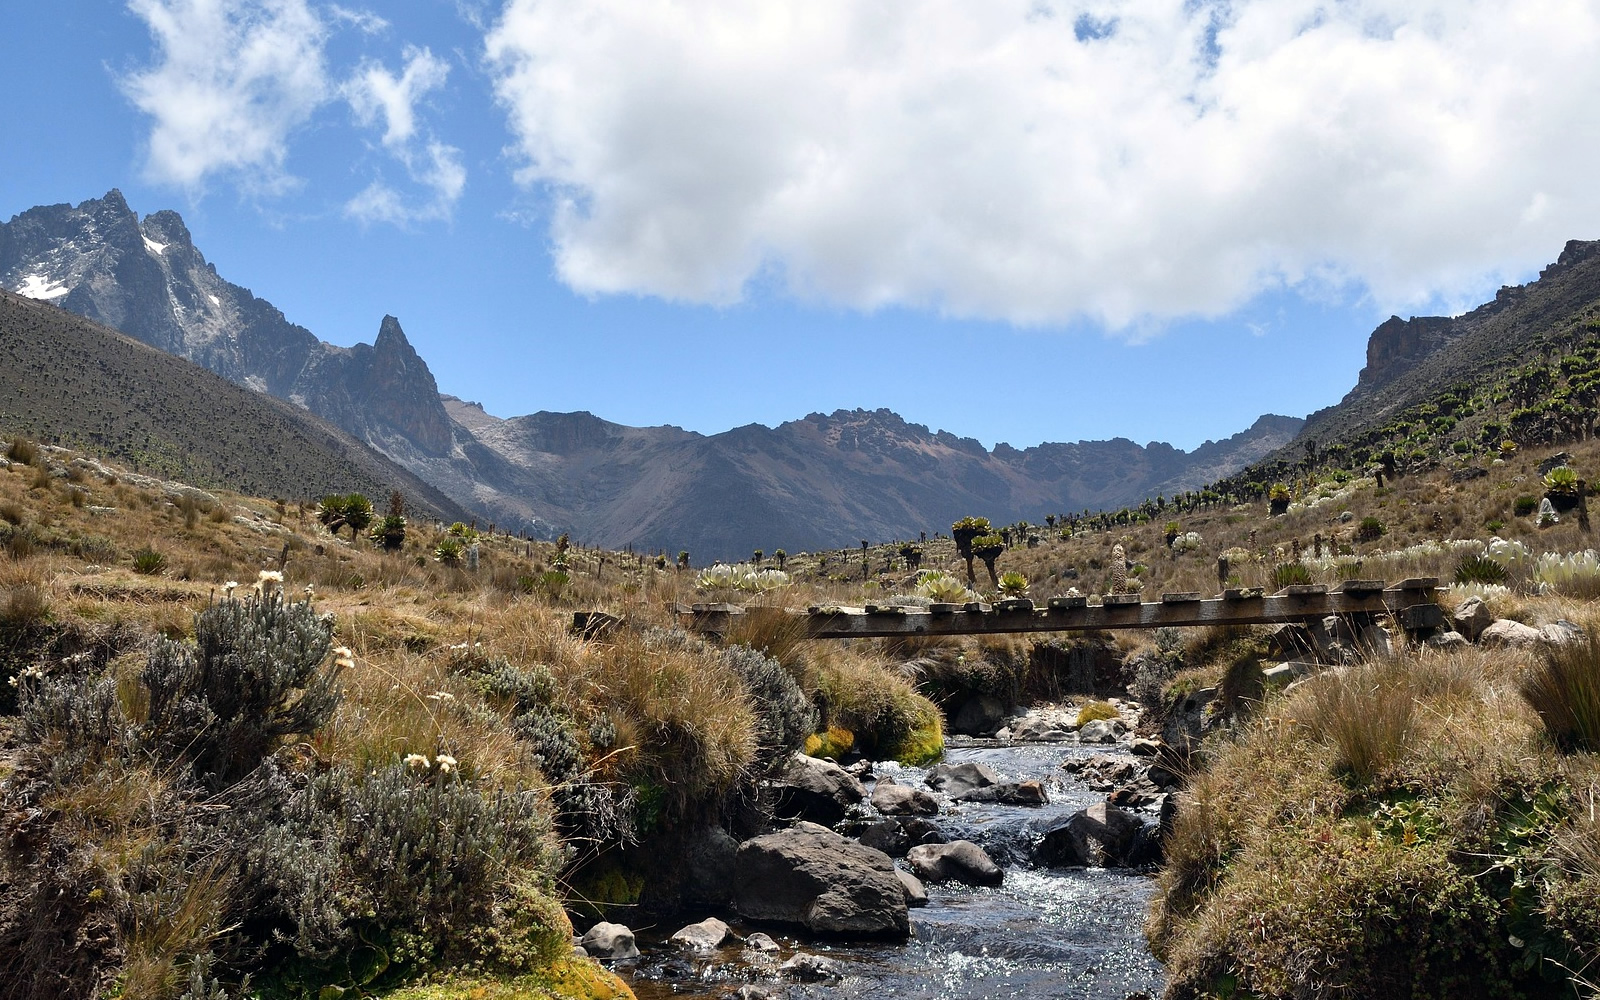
(1020, 793)
(706, 867)
(702, 938)
(1163, 774)
(1471, 617)
(1135, 796)
(887, 837)
(608, 940)
(814, 878)
(861, 770)
(957, 779)
(806, 968)
(922, 831)
(753, 992)
(1098, 731)
(1101, 836)
(760, 942)
(960, 861)
(1507, 634)
(816, 790)
(1040, 729)
(916, 895)
(578, 951)
(894, 799)
(979, 715)
(1146, 747)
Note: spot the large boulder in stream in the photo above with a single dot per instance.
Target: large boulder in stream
(810, 877)
(958, 861)
(1101, 836)
(816, 790)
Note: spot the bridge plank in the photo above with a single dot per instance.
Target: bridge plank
(1413, 606)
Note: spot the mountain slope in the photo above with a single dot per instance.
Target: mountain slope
(70, 380)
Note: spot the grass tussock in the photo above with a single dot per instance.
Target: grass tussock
(1564, 689)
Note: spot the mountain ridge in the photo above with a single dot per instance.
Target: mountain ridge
(823, 480)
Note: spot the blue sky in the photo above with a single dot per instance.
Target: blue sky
(709, 214)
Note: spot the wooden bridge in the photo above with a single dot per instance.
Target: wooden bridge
(1412, 603)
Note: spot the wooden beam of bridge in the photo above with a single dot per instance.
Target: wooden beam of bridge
(1412, 602)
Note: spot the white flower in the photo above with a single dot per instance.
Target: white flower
(269, 576)
(441, 696)
(446, 763)
(229, 587)
(416, 760)
(308, 591)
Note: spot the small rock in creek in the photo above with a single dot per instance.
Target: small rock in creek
(916, 895)
(893, 799)
(702, 938)
(748, 992)
(1022, 793)
(888, 837)
(613, 941)
(811, 968)
(922, 831)
(956, 779)
(1098, 731)
(760, 942)
(1146, 747)
(961, 861)
(1101, 836)
(579, 952)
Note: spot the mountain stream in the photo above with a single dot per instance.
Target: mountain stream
(1044, 933)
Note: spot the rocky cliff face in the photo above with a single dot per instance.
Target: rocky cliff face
(147, 279)
(1411, 361)
(821, 481)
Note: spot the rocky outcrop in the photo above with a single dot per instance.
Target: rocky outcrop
(810, 877)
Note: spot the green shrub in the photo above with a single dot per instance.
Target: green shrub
(449, 550)
(1565, 691)
(254, 676)
(148, 561)
(339, 510)
(1524, 505)
(1562, 480)
(1370, 529)
(1291, 574)
(1478, 568)
(786, 716)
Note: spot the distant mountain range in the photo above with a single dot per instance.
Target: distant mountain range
(821, 481)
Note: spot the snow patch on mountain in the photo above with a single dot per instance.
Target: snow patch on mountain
(37, 286)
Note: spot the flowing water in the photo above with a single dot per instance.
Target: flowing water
(1056, 933)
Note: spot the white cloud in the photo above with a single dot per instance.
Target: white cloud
(374, 91)
(364, 20)
(1043, 160)
(437, 167)
(233, 80)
